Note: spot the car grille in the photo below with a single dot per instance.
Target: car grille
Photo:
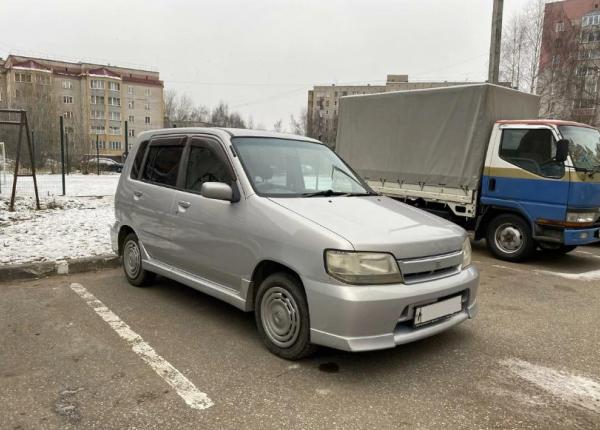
(424, 269)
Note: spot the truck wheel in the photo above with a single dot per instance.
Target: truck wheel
(509, 238)
(557, 249)
(132, 263)
(281, 316)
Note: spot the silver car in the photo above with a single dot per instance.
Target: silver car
(278, 224)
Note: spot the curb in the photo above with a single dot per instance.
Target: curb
(62, 267)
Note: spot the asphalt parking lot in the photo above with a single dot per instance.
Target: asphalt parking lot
(70, 358)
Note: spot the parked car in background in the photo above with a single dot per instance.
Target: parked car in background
(106, 165)
(280, 225)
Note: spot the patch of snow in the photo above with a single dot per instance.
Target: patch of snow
(75, 184)
(576, 390)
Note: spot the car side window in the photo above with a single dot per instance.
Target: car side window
(162, 164)
(532, 150)
(137, 162)
(206, 163)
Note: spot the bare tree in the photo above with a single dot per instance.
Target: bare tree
(299, 126)
(278, 126)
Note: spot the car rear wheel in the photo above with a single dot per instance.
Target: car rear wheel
(282, 318)
(509, 238)
(132, 263)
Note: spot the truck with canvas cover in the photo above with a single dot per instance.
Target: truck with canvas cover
(473, 154)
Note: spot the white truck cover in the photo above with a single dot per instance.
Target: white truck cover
(427, 137)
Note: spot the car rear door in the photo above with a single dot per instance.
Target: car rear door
(153, 194)
(209, 238)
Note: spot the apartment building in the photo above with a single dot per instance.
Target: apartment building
(95, 101)
(323, 102)
(569, 67)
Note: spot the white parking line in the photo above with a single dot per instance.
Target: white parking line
(194, 398)
(592, 275)
(578, 391)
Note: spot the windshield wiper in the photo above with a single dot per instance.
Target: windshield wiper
(325, 193)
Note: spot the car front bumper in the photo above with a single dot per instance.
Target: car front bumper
(581, 236)
(363, 318)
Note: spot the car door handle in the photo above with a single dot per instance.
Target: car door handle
(184, 204)
(137, 194)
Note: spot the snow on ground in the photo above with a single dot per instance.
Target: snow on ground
(72, 226)
(75, 184)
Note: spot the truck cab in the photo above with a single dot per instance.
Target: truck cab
(540, 187)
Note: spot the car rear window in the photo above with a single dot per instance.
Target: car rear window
(162, 164)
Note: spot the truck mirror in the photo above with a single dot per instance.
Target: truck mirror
(562, 150)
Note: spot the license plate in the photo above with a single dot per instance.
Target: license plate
(426, 314)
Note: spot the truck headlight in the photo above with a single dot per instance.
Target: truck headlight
(586, 217)
(466, 251)
(362, 267)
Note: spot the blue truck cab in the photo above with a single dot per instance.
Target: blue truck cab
(532, 196)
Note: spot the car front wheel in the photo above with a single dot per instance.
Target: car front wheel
(509, 238)
(282, 317)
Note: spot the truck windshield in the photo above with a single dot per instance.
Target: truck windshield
(584, 147)
(295, 168)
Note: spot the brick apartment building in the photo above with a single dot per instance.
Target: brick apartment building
(323, 102)
(569, 66)
(95, 100)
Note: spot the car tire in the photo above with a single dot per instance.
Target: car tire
(558, 249)
(132, 263)
(282, 318)
(509, 238)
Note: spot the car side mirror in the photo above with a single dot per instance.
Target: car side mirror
(562, 150)
(217, 191)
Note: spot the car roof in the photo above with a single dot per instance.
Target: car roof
(556, 122)
(224, 132)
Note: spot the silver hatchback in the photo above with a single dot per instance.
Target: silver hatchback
(278, 224)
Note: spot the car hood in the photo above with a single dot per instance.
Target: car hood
(377, 223)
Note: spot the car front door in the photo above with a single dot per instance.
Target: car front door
(210, 237)
(152, 197)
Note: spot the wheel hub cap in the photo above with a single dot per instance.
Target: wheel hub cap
(280, 317)
(131, 259)
(509, 238)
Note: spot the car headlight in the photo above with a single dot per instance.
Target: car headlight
(362, 267)
(467, 253)
(587, 217)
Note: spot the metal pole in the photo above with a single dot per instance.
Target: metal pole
(67, 151)
(62, 155)
(33, 146)
(126, 140)
(97, 156)
(496, 42)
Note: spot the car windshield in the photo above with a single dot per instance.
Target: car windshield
(584, 146)
(295, 168)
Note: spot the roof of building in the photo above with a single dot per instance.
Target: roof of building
(555, 122)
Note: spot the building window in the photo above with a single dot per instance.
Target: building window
(130, 90)
(97, 129)
(556, 60)
(114, 129)
(97, 114)
(67, 85)
(43, 79)
(114, 145)
(114, 101)
(23, 78)
(114, 86)
(18, 94)
(147, 120)
(68, 115)
(131, 119)
(97, 100)
(559, 26)
(96, 84)
(147, 92)
(68, 100)
(147, 106)
(114, 116)
(591, 19)
(131, 132)
(131, 104)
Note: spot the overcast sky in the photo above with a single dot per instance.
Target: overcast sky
(260, 56)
